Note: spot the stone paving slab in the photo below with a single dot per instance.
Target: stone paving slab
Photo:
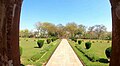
(64, 56)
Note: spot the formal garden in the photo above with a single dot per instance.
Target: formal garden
(92, 45)
(92, 52)
(34, 54)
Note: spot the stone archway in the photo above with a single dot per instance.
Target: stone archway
(9, 32)
(115, 59)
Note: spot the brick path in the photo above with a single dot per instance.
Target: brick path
(64, 56)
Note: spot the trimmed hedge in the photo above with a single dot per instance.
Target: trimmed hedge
(21, 50)
(93, 41)
(79, 41)
(40, 43)
(38, 55)
(48, 41)
(90, 56)
(54, 39)
(108, 41)
(108, 52)
(75, 40)
(88, 45)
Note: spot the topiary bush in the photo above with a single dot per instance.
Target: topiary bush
(54, 38)
(26, 39)
(108, 41)
(48, 41)
(100, 41)
(93, 41)
(75, 40)
(79, 41)
(108, 52)
(88, 45)
(72, 38)
(21, 50)
(40, 43)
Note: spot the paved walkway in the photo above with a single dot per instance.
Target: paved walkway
(64, 56)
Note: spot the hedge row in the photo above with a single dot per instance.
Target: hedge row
(90, 56)
(73, 39)
(21, 50)
(54, 39)
(37, 56)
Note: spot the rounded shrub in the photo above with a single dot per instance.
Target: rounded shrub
(21, 50)
(88, 45)
(48, 41)
(26, 39)
(108, 52)
(72, 38)
(100, 41)
(108, 41)
(75, 40)
(40, 43)
(79, 41)
(54, 38)
(93, 41)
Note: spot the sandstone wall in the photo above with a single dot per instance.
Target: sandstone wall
(9, 32)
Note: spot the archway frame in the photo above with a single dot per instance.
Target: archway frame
(9, 32)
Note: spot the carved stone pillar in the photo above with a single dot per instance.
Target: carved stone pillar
(115, 58)
(15, 32)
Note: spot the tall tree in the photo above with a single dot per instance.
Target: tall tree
(99, 30)
(61, 30)
(24, 33)
(71, 28)
(82, 29)
(48, 28)
(91, 31)
(38, 27)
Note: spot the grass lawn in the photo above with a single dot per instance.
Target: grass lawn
(30, 49)
(98, 48)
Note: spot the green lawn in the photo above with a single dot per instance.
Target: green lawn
(98, 48)
(31, 49)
